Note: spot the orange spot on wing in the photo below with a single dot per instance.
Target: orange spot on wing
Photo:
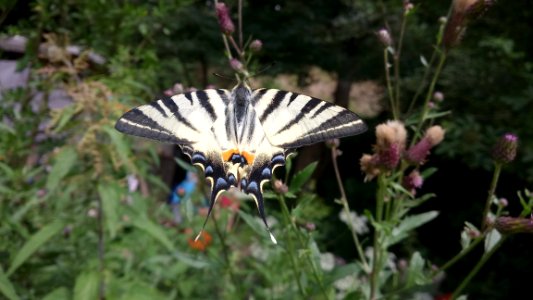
(249, 157)
(226, 155)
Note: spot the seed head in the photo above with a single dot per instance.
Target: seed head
(505, 149)
(369, 166)
(435, 135)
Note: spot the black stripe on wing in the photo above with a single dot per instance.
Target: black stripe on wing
(135, 122)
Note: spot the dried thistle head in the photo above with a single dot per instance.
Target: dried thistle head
(463, 11)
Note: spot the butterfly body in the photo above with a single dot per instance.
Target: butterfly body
(239, 137)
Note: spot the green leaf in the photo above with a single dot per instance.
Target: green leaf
(6, 287)
(409, 223)
(434, 115)
(58, 294)
(191, 261)
(66, 115)
(5, 127)
(119, 142)
(415, 275)
(252, 222)
(62, 165)
(155, 231)
(86, 287)
(8, 171)
(109, 195)
(491, 239)
(34, 243)
(300, 178)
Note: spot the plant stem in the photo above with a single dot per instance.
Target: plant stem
(476, 268)
(226, 256)
(458, 256)
(396, 59)
(286, 214)
(376, 262)
(101, 251)
(291, 245)
(389, 84)
(425, 107)
(240, 24)
(346, 208)
(492, 189)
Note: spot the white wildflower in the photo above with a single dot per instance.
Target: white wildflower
(258, 252)
(359, 223)
(327, 261)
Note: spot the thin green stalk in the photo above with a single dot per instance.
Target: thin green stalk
(396, 58)
(476, 268)
(458, 256)
(291, 246)
(429, 95)
(389, 83)
(376, 262)
(226, 256)
(101, 251)
(286, 214)
(424, 79)
(346, 208)
(492, 189)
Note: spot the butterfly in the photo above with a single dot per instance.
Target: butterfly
(239, 136)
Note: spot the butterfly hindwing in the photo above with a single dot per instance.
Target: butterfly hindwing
(292, 120)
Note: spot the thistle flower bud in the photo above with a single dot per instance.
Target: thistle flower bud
(384, 37)
(435, 134)
(463, 11)
(407, 7)
(413, 181)
(438, 96)
(236, 64)
(369, 166)
(503, 202)
(505, 149)
(509, 225)
(256, 45)
(418, 153)
(224, 20)
(280, 187)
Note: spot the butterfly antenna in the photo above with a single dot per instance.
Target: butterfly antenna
(263, 69)
(224, 76)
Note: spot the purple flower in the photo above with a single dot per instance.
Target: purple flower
(384, 37)
(505, 149)
(224, 20)
(418, 153)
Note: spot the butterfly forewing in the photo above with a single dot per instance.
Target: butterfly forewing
(292, 120)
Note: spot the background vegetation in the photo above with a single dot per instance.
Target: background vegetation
(84, 211)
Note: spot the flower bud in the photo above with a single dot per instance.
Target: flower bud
(256, 45)
(413, 181)
(503, 202)
(438, 96)
(236, 64)
(509, 225)
(505, 149)
(369, 166)
(224, 20)
(384, 37)
(280, 187)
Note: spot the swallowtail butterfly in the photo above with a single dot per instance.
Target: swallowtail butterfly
(239, 137)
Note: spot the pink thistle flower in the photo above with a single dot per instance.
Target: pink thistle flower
(224, 20)
(390, 144)
(384, 37)
(236, 64)
(418, 153)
